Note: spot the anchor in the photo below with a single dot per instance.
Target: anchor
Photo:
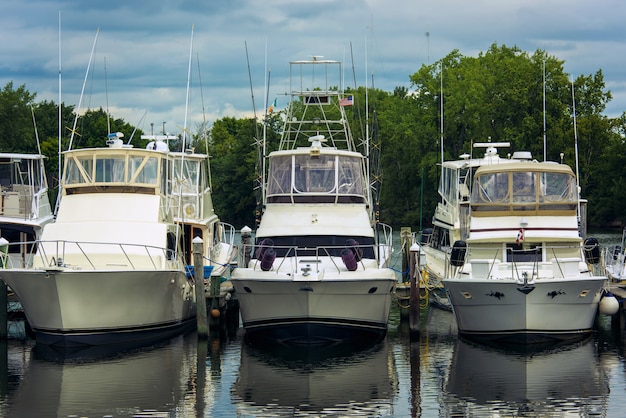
(526, 288)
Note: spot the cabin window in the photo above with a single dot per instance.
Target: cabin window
(279, 181)
(557, 187)
(147, 174)
(350, 176)
(73, 172)
(518, 253)
(186, 176)
(109, 170)
(315, 175)
(524, 187)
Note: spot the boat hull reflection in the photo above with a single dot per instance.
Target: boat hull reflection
(557, 379)
(317, 381)
(88, 382)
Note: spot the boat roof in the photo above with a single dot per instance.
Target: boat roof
(525, 166)
(15, 156)
(322, 151)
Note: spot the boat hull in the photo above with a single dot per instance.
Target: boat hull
(76, 308)
(508, 311)
(300, 312)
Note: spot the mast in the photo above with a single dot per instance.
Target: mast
(82, 92)
(576, 153)
(544, 110)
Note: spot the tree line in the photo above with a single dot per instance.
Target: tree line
(502, 95)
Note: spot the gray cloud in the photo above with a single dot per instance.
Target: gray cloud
(146, 46)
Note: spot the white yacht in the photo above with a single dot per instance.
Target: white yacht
(113, 266)
(318, 271)
(518, 268)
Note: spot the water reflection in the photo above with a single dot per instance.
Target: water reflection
(335, 381)
(97, 383)
(566, 379)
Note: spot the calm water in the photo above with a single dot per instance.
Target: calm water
(433, 375)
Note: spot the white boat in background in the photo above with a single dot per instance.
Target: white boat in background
(24, 203)
(522, 272)
(112, 267)
(193, 209)
(451, 218)
(319, 270)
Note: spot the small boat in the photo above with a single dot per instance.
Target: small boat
(318, 272)
(113, 266)
(519, 269)
(24, 204)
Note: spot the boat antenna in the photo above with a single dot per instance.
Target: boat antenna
(187, 95)
(576, 152)
(358, 108)
(544, 110)
(268, 74)
(60, 130)
(135, 128)
(441, 114)
(106, 96)
(82, 92)
(204, 126)
(32, 111)
(256, 126)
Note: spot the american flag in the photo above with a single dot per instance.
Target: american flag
(520, 235)
(346, 101)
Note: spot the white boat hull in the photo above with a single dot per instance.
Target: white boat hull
(67, 307)
(352, 306)
(551, 309)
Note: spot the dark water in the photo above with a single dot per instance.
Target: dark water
(433, 375)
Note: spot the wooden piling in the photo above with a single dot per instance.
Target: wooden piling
(414, 295)
(199, 286)
(4, 314)
(215, 319)
(4, 299)
(406, 240)
(246, 244)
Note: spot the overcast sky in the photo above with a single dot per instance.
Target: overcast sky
(141, 60)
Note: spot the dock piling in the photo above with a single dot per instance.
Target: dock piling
(201, 310)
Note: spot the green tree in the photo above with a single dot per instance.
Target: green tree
(17, 131)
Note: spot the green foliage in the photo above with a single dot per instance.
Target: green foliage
(17, 133)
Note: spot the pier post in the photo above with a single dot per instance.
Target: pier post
(215, 320)
(246, 241)
(405, 239)
(414, 295)
(198, 265)
(4, 299)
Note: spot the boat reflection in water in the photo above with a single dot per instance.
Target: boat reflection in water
(553, 381)
(92, 382)
(334, 381)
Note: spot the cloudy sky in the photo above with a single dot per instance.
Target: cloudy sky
(141, 57)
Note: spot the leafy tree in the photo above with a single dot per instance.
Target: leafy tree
(17, 132)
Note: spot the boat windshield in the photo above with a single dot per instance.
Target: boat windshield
(524, 190)
(296, 176)
(93, 168)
